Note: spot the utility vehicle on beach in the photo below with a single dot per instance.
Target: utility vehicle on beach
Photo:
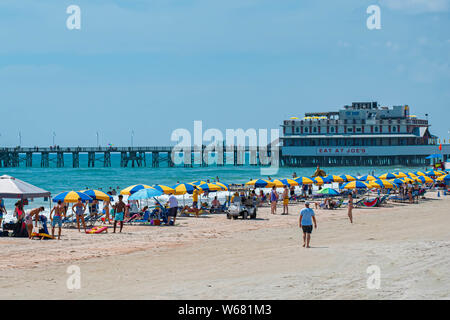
(244, 207)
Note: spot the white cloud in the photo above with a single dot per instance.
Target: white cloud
(417, 6)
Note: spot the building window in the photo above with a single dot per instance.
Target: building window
(297, 129)
(394, 129)
(306, 129)
(376, 129)
(358, 129)
(315, 129)
(332, 129)
(349, 129)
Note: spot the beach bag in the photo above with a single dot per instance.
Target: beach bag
(4, 233)
(9, 226)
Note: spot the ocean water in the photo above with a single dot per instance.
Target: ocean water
(57, 180)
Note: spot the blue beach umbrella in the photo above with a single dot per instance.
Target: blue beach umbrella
(348, 177)
(146, 193)
(98, 195)
(368, 177)
(183, 188)
(388, 176)
(260, 183)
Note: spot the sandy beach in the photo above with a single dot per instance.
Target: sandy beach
(212, 257)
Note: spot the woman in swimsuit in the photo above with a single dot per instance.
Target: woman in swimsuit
(79, 208)
(350, 207)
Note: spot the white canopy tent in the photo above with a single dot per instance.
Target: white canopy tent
(11, 187)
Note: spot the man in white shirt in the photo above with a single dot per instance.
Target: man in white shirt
(173, 208)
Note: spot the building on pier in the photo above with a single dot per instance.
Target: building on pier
(361, 134)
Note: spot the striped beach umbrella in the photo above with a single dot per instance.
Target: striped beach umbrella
(397, 181)
(388, 176)
(321, 180)
(445, 178)
(379, 184)
(335, 178)
(400, 174)
(278, 183)
(163, 188)
(409, 180)
(289, 182)
(183, 188)
(260, 183)
(98, 195)
(420, 173)
(434, 173)
(368, 177)
(72, 197)
(134, 188)
(223, 185)
(355, 185)
(210, 187)
(304, 180)
(424, 179)
(348, 178)
(198, 182)
(412, 175)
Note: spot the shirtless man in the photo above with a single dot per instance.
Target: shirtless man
(57, 218)
(119, 209)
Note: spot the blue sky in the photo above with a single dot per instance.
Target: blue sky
(154, 66)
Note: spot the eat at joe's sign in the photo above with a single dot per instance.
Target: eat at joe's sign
(341, 151)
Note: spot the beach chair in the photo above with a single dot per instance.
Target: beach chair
(383, 199)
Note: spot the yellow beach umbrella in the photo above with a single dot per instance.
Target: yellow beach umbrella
(348, 177)
(356, 185)
(424, 179)
(412, 175)
(260, 183)
(278, 183)
(321, 180)
(294, 118)
(381, 184)
(163, 188)
(223, 185)
(335, 178)
(183, 188)
(289, 182)
(304, 180)
(211, 187)
(420, 173)
(401, 174)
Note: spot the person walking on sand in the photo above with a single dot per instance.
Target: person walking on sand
(173, 209)
(57, 218)
(305, 222)
(350, 207)
(273, 200)
(119, 209)
(78, 209)
(285, 201)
